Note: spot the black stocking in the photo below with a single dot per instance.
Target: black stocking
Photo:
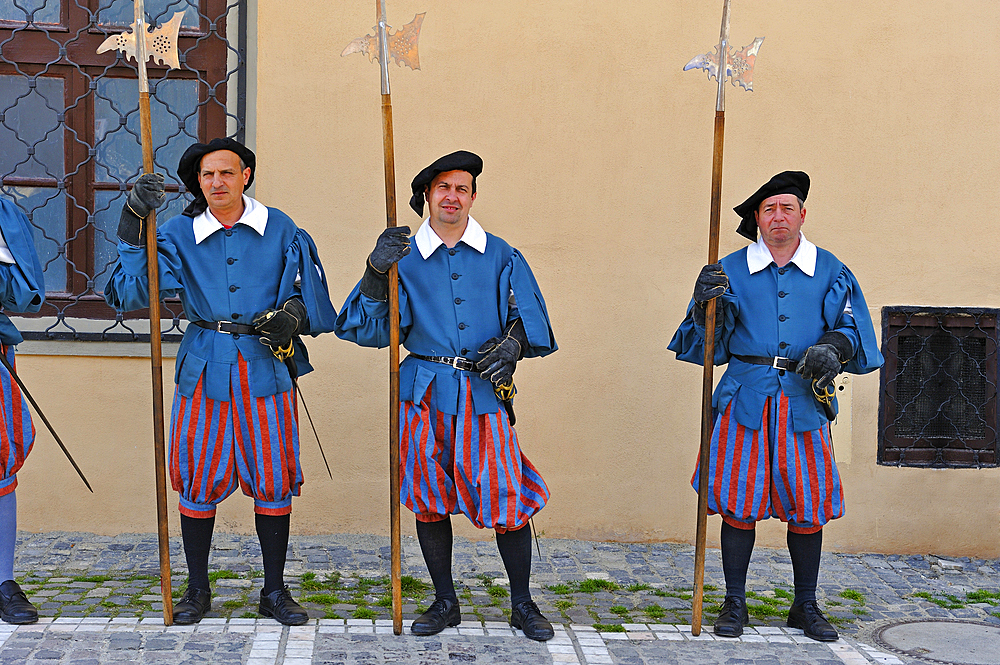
(515, 550)
(435, 543)
(196, 533)
(737, 546)
(805, 550)
(272, 531)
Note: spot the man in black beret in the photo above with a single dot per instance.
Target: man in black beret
(252, 284)
(469, 310)
(789, 318)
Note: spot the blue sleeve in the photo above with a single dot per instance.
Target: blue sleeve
(689, 340)
(304, 276)
(365, 321)
(128, 287)
(518, 279)
(22, 284)
(858, 326)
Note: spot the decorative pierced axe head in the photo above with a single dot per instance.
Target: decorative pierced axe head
(739, 66)
(402, 44)
(161, 43)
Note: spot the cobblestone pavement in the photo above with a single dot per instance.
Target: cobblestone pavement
(612, 603)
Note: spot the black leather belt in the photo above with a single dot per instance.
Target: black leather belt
(457, 362)
(777, 362)
(227, 327)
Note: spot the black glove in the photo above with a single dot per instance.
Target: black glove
(820, 364)
(392, 245)
(147, 194)
(824, 360)
(712, 282)
(500, 355)
(277, 327)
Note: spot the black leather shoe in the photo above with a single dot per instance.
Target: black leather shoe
(732, 618)
(443, 613)
(14, 605)
(282, 607)
(812, 622)
(192, 606)
(528, 618)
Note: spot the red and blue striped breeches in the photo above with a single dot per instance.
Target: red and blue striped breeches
(17, 432)
(465, 464)
(253, 441)
(774, 472)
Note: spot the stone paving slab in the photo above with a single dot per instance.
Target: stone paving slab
(613, 602)
(264, 642)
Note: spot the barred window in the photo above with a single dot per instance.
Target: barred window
(69, 133)
(938, 402)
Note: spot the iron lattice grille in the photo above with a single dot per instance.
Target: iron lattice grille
(69, 135)
(939, 388)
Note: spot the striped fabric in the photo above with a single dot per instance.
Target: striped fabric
(250, 441)
(17, 432)
(465, 464)
(774, 472)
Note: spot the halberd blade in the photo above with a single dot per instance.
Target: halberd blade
(402, 44)
(161, 43)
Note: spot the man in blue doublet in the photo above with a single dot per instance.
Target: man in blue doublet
(790, 316)
(252, 285)
(470, 308)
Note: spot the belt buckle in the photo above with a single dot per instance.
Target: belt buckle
(218, 327)
(775, 363)
(461, 363)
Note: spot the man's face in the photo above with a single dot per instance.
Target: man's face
(449, 197)
(779, 219)
(222, 181)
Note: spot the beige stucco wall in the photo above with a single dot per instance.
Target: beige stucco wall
(597, 151)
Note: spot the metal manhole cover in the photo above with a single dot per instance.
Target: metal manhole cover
(946, 641)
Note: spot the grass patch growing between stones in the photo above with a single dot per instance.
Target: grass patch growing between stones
(851, 594)
(947, 600)
(609, 627)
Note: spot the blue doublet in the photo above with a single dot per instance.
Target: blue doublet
(232, 275)
(22, 285)
(780, 312)
(449, 304)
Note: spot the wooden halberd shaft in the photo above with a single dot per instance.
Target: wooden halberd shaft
(390, 221)
(707, 416)
(155, 349)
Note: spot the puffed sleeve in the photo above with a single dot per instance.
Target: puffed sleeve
(304, 276)
(22, 283)
(516, 278)
(856, 323)
(365, 321)
(689, 340)
(128, 287)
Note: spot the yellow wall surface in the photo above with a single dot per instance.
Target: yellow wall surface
(597, 150)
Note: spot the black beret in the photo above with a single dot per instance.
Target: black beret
(187, 169)
(786, 182)
(456, 161)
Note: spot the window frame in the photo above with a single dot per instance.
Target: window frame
(895, 449)
(68, 50)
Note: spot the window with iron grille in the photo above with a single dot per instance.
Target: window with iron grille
(69, 134)
(939, 388)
